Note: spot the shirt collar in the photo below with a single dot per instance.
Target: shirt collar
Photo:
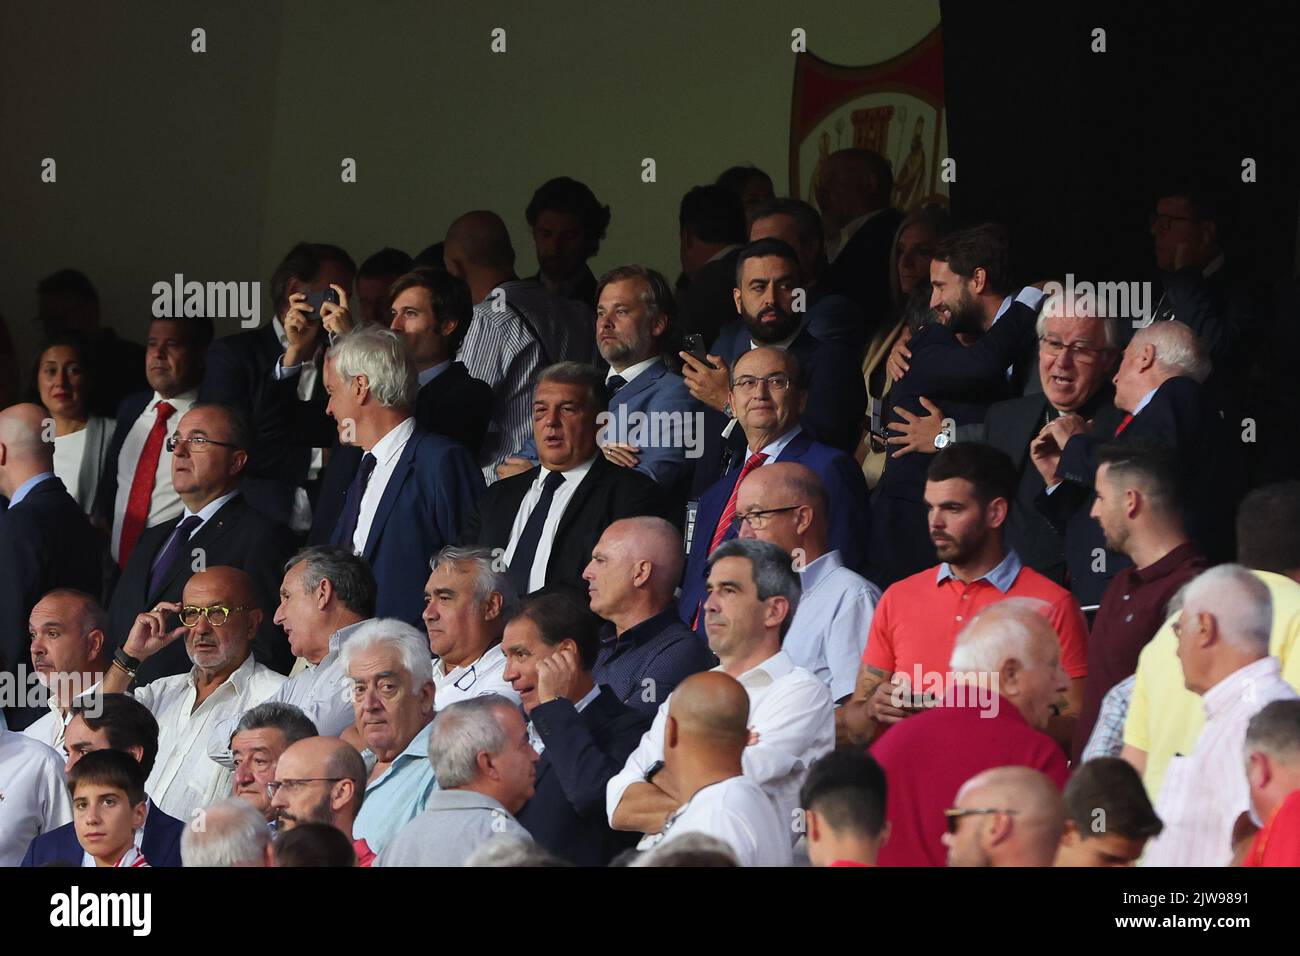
(587, 698)
(212, 507)
(1002, 576)
(429, 374)
(632, 371)
(774, 448)
(815, 572)
(238, 679)
(1214, 265)
(486, 660)
(1240, 685)
(1029, 296)
(23, 489)
(574, 474)
(339, 637)
(52, 702)
(723, 252)
(1166, 565)
(650, 628)
(1146, 400)
(417, 748)
(767, 673)
(391, 445)
(783, 344)
(184, 398)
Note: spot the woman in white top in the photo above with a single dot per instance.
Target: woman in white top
(80, 440)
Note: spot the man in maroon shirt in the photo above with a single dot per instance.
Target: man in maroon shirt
(1005, 678)
(1139, 509)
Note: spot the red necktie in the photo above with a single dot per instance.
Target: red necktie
(146, 471)
(729, 512)
(1124, 423)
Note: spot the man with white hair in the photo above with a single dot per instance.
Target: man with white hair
(485, 767)
(1223, 644)
(1273, 772)
(996, 700)
(412, 490)
(228, 833)
(1007, 816)
(388, 666)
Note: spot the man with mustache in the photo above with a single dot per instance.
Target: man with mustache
(321, 780)
(261, 738)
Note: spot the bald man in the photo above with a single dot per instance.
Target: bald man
(219, 616)
(517, 329)
(46, 541)
(69, 652)
(645, 649)
(1008, 816)
(321, 780)
(704, 738)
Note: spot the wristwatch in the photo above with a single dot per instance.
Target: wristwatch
(942, 440)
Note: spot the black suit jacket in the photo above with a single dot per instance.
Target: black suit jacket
(237, 535)
(584, 290)
(861, 270)
(607, 494)
(127, 412)
(566, 813)
(46, 542)
(709, 303)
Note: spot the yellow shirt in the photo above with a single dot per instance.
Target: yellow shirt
(1164, 717)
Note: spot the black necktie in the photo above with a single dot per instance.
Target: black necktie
(614, 383)
(171, 551)
(521, 563)
(352, 513)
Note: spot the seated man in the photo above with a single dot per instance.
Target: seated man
(997, 697)
(31, 775)
(753, 596)
(705, 736)
(387, 662)
(321, 780)
(580, 730)
(1018, 819)
(261, 737)
(220, 616)
(466, 602)
(233, 835)
(69, 654)
(113, 722)
(1109, 818)
(645, 649)
(843, 803)
(485, 768)
(1273, 771)
(108, 808)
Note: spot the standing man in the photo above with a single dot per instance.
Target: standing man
(568, 223)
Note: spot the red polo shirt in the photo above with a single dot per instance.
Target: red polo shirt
(927, 758)
(917, 621)
(1278, 844)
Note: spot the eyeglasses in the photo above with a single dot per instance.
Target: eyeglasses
(196, 444)
(217, 615)
(777, 382)
(461, 684)
(294, 785)
(1160, 222)
(955, 814)
(758, 519)
(1083, 354)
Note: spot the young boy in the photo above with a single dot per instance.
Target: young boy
(108, 807)
(843, 801)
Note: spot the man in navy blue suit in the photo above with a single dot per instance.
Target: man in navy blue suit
(112, 722)
(582, 731)
(767, 397)
(412, 489)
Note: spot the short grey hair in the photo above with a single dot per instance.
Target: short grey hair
(347, 573)
(1240, 603)
(1275, 730)
(227, 833)
(382, 357)
(93, 615)
(689, 849)
(460, 732)
(773, 570)
(510, 850)
(578, 373)
(1010, 628)
(487, 578)
(1052, 308)
(1177, 347)
(412, 647)
(277, 715)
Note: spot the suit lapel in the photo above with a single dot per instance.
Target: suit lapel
(797, 448)
(641, 383)
(214, 529)
(391, 493)
(579, 500)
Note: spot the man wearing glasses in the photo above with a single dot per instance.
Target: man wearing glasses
(1008, 816)
(216, 527)
(219, 617)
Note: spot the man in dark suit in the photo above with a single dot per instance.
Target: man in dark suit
(412, 489)
(583, 733)
(46, 541)
(245, 369)
(568, 223)
(112, 722)
(218, 526)
(431, 311)
(546, 520)
(711, 221)
(853, 194)
(768, 398)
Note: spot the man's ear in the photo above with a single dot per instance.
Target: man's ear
(735, 294)
(492, 606)
(4, 454)
(776, 609)
(995, 512)
(137, 752)
(238, 461)
(94, 644)
(811, 825)
(344, 791)
(670, 733)
(641, 572)
(979, 280)
(255, 619)
(1009, 674)
(324, 593)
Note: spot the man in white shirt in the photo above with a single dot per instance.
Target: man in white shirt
(33, 797)
(466, 603)
(1223, 635)
(752, 597)
(69, 656)
(219, 616)
(705, 737)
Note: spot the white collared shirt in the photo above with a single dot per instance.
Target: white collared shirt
(774, 448)
(33, 794)
(164, 503)
(387, 451)
(473, 680)
(1146, 400)
(432, 372)
(572, 479)
(632, 371)
(184, 778)
(835, 245)
(535, 739)
(737, 812)
(828, 635)
(792, 712)
(49, 729)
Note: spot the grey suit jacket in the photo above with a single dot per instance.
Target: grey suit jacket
(453, 825)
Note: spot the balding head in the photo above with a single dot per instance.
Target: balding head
(708, 710)
(478, 242)
(23, 451)
(634, 569)
(852, 183)
(220, 648)
(1157, 353)
(1019, 822)
(786, 504)
(338, 783)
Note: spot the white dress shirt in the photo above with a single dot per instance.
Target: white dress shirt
(630, 373)
(1204, 792)
(836, 243)
(387, 451)
(473, 680)
(572, 479)
(792, 712)
(774, 448)
(33, 794)
(49, 728)
(165, 503)
(829, 632)
(737, 812)
(184, 778)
